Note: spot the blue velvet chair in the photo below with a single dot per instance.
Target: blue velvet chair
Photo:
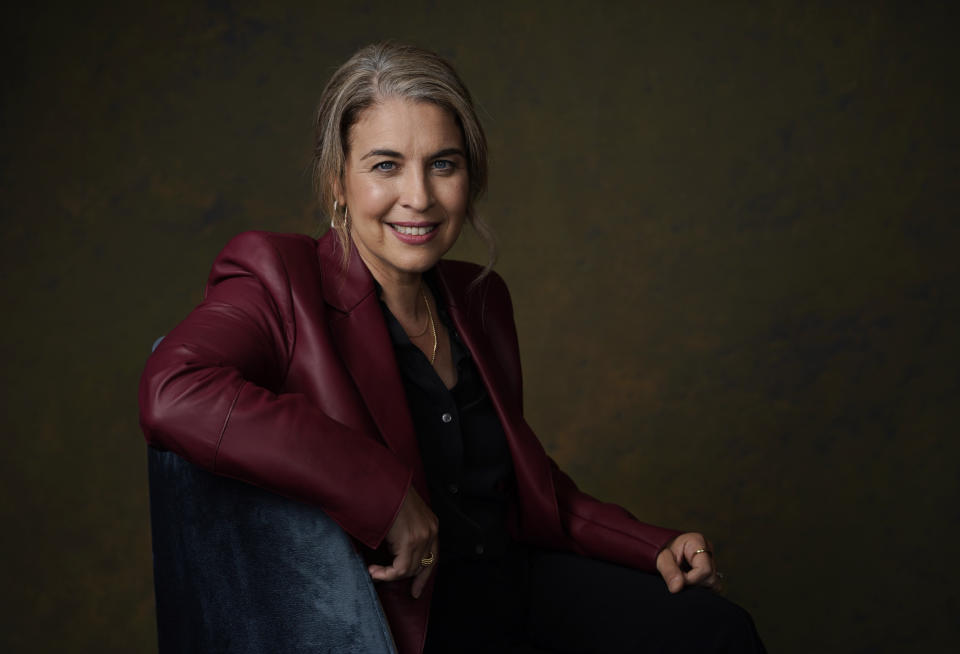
(238, 569)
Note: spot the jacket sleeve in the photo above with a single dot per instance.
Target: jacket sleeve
(594, 528)
(211, 393)
(607, 531)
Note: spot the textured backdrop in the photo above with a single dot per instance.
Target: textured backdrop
(730, 234)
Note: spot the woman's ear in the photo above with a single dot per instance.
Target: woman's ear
(338, 193)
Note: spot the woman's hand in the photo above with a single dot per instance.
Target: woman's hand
(412, 538)
(688, 561)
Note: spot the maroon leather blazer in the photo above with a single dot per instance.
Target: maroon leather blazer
(285, 377)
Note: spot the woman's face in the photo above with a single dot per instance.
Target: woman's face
(405, 186)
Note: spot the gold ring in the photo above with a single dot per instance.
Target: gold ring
(702, 550)
(427, 560)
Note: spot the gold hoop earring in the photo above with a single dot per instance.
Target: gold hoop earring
(333, 218)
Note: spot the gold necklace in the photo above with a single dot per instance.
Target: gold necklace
(433, 326)
(426, 324)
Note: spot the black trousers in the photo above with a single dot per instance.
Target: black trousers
(540, 601)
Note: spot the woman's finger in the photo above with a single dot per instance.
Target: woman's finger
(699, 556)
(669, 570)
(700, 575)
(427, 562)
(402, 565)
(396, 570)
(420, 581)
(421, 578)
(383, 572)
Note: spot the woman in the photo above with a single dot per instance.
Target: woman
(364, 375)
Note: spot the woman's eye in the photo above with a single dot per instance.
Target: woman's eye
(442, 164)
(385, 166)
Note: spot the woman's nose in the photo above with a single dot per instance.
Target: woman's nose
(416, 192)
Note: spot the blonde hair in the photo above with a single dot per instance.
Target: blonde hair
(394, 70)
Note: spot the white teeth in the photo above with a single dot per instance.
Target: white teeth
(414, 231)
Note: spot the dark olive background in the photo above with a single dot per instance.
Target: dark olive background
(730, 233)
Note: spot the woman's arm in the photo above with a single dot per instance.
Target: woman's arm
(607, 531)
(210, 394)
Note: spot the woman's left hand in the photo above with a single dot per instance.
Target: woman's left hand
(688, 561)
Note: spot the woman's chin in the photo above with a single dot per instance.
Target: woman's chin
(417, 265)
(417, 258)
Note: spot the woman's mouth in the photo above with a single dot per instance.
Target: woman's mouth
(415, 233)
(413, 230)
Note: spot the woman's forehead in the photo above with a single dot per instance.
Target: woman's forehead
(409, 127)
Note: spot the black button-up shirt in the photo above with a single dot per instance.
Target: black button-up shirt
(464, 449)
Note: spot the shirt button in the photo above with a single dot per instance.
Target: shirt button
(453, 488)
(478, 549)
(446, 417)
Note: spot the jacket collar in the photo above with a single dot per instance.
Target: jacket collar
(343, 289)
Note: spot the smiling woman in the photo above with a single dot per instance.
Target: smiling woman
(396, 73)
(405, 186)
(379, 385)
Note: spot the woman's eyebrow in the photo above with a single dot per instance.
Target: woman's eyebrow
(381, 152)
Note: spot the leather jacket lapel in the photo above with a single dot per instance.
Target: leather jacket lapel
(360, 336)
